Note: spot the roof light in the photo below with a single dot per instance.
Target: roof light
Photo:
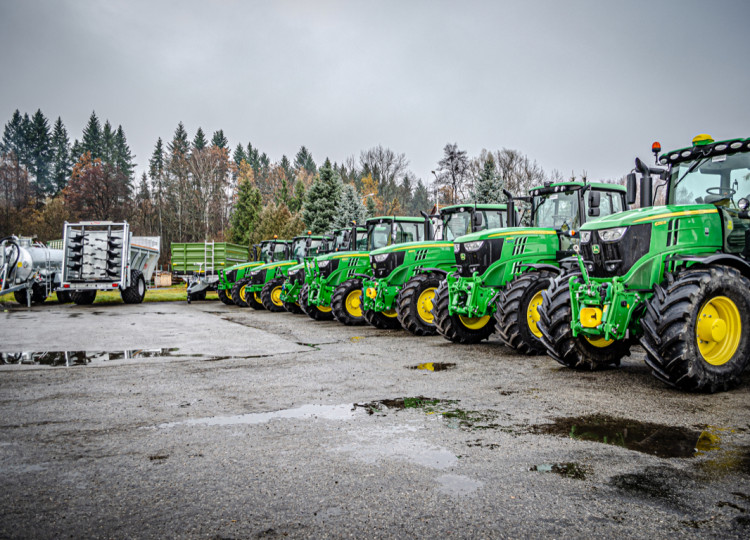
(686, 153)
(721, 147)
(735, 145)
(702, 139)
(656, 147)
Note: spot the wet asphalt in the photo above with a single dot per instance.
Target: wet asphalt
(209, 421)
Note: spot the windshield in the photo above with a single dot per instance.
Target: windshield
(339, 240)
(456, 224)
(265, 252)
(720, 179)
(279, 250)
(299, 248)
(378, 235)
(408, 232)
(610, 202)
(557, 210)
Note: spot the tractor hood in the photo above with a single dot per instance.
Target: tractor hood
(272, 265)
(412, 245)
(645, 215)
(503, 233)
(250, 264)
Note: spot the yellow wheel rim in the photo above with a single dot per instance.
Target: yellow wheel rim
(276, 296)
(599, 342)
(474, 323)
(242, 294)
(324, 309)
(532, 314)
(718, 330)
(353, 303)
(424, 305)
(391, 313)
(257, 298)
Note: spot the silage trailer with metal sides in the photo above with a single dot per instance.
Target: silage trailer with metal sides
(199, 263)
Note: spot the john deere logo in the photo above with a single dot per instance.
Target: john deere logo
(463, 256)
(595, 249)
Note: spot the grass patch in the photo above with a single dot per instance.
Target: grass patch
(177, 293)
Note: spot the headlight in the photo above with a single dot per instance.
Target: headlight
(456, 248)
(473, 246)
(254, 273)
(381, 257)
(323, 264)
(612, 235)
(585, 237)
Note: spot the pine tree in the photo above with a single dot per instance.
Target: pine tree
(40, 155)
(304, 160)
(247, 210)
(219, 140)
(239, 155)
(322, 200)
(488, 188)
(199, 142)
(296, 202)
(286, 166)
(14, 137)
(273, 220)
(61, 164)
(371, 208)
(108, 143)
(179, 145)
(350, 208)
(122, 159)
(156, 172)
(421, 199)
(92, 139)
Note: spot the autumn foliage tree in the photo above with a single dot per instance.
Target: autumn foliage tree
(97, 191)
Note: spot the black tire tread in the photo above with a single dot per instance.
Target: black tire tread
(312, 311)
(406, 304)
(450, 326)
(338, 303)
(265, 295)
(511, 315)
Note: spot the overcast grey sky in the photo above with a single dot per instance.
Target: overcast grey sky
(573, 84)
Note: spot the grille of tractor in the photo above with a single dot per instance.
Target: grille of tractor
(258, 278)
(328, 270)
(383, 269)
(479, 260)
(232, 276)
(617, 258)
(298, 276)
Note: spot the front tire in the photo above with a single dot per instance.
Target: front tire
(385, 320)
(415, 304)
(238, 293)
(270, 295)
(695, 330)
(316, 313)
(457, 328)
(517, 312)
(346, 303)
(579, 353)
(225, 298)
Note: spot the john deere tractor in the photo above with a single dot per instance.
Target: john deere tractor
(264, 287)
(503, 272)
(270, 250)
(675, 278)
(296, 278)
(228, 277)
(335, 288)
(405, 276)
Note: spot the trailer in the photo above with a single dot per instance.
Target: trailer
(30, 270)
(199, 263)
(104, 256)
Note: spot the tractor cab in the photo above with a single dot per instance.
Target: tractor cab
(308, 246)
(386, 230)
(460, 220)
(274, 250)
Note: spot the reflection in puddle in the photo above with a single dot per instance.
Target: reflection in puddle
(327, 412)
(80, 358)
(445, 408)
(569, 470)
(434, 366)
(456, 484)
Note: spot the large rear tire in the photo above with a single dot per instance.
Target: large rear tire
(83, 298)
(517, 312)
(271, 295)
(225, 298)
(63, 297)
(137, 290)
(415, 304)
(238, 293)
(385, 320)
(578, 353)
(695, 330)
(317, 313)
(346, 303)
(457, 328)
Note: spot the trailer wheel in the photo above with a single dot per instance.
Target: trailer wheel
(238, 293)
(694, 330)
(137, 290)
(580, 352)
(38, 294)
(385, 320)
(271, 295)
(346, 303)
(517, 312)
(225, 298)
(317, 313)
(415, 303)
(457, 328)
(83, 298)
(63, 297)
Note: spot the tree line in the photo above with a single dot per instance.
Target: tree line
(196, 189)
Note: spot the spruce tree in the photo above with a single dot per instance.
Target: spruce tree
(156, 163)
(108, 143)
(489, 188)
(40, 154)
(350, 208)
(92, 138)
(296, 202)
(122, 159)
(371, 208)
(421, 199)
(14, 137)
(304, 161)
(246, 210)
(199, 142)
(219, 140)
(322, 200)
(239, 155)
(61, 164)
(179, 145)
(286, 166)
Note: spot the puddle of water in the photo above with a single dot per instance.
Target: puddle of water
(458, 485)
(80, 358)
(445, 408)
(434, 366)
(655, 439)
(326, 412)
(419, 402)
(569, 470)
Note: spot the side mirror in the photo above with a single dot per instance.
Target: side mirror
(595, 198)
(594, 212)
(476, 221)
(632, 189)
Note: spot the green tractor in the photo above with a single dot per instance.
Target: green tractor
(296, 278)
(264, 285)
(232, 281)
(406, 276)
(675, 277)
(503, 272)
(335, 287)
